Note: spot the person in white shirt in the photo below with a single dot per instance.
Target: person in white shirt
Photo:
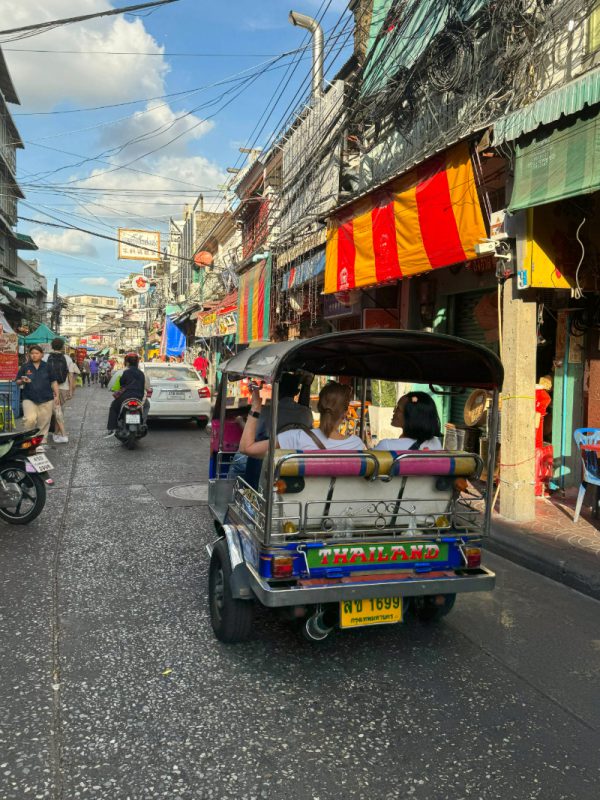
(332, 406)
(417, 415)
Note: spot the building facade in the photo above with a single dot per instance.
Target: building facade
(92, 317)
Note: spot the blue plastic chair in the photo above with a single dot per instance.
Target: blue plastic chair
(584, 437)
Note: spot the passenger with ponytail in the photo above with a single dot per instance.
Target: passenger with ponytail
(334, 399)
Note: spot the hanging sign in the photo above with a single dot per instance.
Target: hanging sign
(140, 284)
(9, 359)
(137, 245)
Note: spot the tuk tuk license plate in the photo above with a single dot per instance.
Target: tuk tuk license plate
(132, 419)
(40, 463)
(371, 611)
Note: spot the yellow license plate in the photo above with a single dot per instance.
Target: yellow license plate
(372, 611)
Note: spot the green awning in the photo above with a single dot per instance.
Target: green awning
(41, 335)
(23, 242)
(566, 100)
(561, 163)
(18, 288)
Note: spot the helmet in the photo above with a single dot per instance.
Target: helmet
(131, 358)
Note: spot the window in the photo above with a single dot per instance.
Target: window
(172, 374)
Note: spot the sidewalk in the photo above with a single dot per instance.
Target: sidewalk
(553, 544)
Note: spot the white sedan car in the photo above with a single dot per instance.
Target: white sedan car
(178, 392)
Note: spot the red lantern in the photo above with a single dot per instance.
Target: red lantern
(203, 259)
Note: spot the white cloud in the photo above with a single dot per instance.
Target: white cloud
(44, 80)
(70, 242)
(156, 128)
(95, 281)
(196, 171)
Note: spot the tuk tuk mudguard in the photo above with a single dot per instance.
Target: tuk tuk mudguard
(240, 579)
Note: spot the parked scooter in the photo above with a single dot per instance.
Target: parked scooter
(22, 477)
(131, 423)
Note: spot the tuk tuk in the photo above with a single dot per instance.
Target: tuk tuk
(344, 539)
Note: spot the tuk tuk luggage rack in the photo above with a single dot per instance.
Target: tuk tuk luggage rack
(383, 518)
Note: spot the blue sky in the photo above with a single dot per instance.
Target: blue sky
(177, 145)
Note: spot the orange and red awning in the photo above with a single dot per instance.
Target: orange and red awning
(429, 218)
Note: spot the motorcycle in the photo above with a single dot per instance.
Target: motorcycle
(131, 423)
(103, 377)
(22, 477)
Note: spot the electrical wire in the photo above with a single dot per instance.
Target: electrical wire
(41, 27)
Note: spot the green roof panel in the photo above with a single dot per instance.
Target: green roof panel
(564, 101)
(558, 163)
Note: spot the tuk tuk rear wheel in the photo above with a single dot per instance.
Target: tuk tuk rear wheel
(427, 610)
(231, 619)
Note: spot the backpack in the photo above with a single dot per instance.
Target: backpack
(57, 364)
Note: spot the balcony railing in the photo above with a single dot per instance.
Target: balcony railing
(256, 229)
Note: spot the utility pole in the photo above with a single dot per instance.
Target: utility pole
(55, 313)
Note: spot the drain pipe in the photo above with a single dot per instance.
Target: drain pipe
(311, 24)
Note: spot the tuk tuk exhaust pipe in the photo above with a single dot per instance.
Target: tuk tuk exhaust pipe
(316, 628)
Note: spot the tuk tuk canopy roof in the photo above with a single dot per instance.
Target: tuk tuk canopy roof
(389, 355)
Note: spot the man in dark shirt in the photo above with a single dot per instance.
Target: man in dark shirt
(40, 391)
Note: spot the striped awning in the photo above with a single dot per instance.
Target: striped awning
(254, 299)
(429, 218)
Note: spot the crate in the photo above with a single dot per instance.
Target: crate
(10, 405)
(461, 437)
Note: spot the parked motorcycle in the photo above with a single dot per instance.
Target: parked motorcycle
(22, 477)
(131, 423)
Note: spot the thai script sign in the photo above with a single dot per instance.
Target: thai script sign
(138, 245)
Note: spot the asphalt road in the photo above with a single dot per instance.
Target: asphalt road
(113, 686)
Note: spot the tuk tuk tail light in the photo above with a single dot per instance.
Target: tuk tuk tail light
(461, 484)
(282, 566)
(280, 486)
(473, 557)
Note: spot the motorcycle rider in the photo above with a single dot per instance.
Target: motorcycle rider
(129, 383)
(104, 371)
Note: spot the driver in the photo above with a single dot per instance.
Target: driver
(334, 399)
(125, 384)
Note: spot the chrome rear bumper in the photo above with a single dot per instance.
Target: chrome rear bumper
(275, 597)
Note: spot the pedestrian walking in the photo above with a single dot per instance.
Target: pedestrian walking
(201, 364)
(64, 370)
(85, 371)
(94, 369)
(40, 391)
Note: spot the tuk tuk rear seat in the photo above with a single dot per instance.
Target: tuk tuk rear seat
(376, 488)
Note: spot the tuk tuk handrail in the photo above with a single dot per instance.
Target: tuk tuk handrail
(315, 456)
(430, 454)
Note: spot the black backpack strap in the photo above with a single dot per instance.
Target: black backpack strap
(416, 445)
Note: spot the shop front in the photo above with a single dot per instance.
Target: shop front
(556, 203)
(216, 333)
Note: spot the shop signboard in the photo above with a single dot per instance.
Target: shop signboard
(9, 359)
(216, 323)
(335, 306)
(137, 245)
(380, 318)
